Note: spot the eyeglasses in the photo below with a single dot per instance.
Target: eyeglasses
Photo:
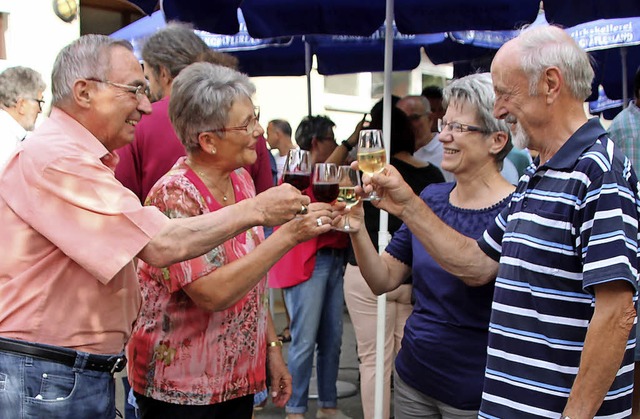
(443, 125)
(139, 90)
(40, 101)
(248, 128)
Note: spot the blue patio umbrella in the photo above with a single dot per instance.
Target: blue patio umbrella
(285, 56)
(271, 18)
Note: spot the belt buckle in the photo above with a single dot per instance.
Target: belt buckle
(117, 365)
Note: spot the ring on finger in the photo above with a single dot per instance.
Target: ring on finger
(303, 210)
(319, 222)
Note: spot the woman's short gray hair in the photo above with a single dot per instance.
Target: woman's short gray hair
(550, 46)
(201, 97)
(19, 82)
(86, 57)
(477, 90)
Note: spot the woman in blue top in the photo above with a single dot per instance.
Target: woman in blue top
(440, 367)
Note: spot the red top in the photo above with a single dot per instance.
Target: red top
(297, 265)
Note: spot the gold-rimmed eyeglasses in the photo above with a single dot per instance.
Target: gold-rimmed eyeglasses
(139, 90)
(249, 127)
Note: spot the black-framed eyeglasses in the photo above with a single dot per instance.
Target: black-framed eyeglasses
(443, 125)
(40, 102)
(139, 90)
(249, 127)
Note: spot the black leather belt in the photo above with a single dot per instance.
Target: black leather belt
(103, 363)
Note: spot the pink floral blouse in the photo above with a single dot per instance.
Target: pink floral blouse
(179, 353)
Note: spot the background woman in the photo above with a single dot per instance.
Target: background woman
(440, 367)
(204, 333)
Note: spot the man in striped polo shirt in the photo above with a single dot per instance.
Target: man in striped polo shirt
(564, 253)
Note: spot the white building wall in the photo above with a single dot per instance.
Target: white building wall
(34, 35)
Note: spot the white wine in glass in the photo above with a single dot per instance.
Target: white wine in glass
(348, 180)
(372, 156)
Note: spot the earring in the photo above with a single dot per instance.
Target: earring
(213, 151)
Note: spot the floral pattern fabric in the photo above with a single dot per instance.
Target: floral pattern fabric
(179, 353)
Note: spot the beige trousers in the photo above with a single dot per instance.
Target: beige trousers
(362, 306)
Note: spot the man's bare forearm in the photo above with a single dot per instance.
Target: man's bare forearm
(187, 238)
(458, 254)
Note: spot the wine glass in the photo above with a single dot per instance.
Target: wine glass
(325, 182)
(297, 169)
(372, 156)
(348, 179)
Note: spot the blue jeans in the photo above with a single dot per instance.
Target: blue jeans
(315, 307)
(36, 388)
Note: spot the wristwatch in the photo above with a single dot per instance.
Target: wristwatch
(346, 145)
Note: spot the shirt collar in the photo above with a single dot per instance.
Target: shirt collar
(570, 152)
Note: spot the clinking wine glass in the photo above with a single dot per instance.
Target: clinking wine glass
(348, 180)
(325, 182)
(297, 169)
(372, 156)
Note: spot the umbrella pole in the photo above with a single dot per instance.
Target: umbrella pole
(307, 69)
(623, 62)
(383, 234)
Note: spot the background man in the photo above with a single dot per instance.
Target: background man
(156, 147)
(21, 101)
(625, 131)
(434, 96)
(625, 127)
(279, 139)
(428, 148)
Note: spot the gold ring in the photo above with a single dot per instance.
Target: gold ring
(319, 222)
(303, 210)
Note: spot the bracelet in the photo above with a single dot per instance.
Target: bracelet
(346, 145)
(274, 343)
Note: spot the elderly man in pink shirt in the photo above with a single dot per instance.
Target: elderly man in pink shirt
(68, 288)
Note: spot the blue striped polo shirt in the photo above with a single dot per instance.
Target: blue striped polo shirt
(572, 224)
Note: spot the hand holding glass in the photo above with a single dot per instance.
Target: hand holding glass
(372, 156)
(297, 169)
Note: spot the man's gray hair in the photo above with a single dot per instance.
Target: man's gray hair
(201, 97)
(477, 90)
(173, 47)
(19, 82)
(282, 125)
(86, 57)
(550, 46)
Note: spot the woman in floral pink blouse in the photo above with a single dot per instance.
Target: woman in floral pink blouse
(204, 333)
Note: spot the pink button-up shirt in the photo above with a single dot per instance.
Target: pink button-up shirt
(69, 234)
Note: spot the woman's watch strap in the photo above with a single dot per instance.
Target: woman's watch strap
(346, 145)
